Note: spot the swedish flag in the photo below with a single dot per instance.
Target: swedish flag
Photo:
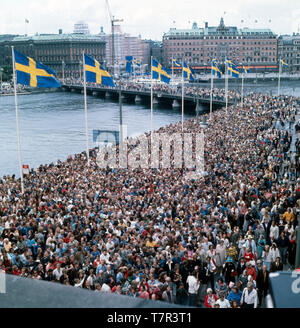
(159, 72)
(136, 62)
(215, 69)
(175, 62)
(96, 73)
(283, 63)
(32, 73)
(233, 71)
(228, 62)
(231, 68)
(246, 69)
(128, 61)
(188, 73)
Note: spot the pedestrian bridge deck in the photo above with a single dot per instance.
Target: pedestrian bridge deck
(173, 99)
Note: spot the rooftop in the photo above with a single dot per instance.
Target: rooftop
(57, 37)
(217, 30)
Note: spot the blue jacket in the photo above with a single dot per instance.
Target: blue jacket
(235, 296)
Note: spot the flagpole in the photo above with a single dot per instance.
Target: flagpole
(279, 72)
(211, 91)
(172, 70)
(151, 113)
(226, 85)
(182, 96)
(63, 71)
(85, 112)
(17, 120)
(242, 100)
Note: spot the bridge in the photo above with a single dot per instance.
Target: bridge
(143, 96)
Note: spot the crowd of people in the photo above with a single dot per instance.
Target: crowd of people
(152, 234)
(189, 90)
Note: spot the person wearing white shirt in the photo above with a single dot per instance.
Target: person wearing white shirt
(249, 297)
(194, 285)
(223, 302)
(274, 230)
(58, 272)
(105, 287)
(104, 256)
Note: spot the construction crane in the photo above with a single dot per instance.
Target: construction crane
(113, 21)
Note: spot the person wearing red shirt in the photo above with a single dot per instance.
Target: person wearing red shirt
(210, 299)
(16, 271)
(248, 255)
(251, 270)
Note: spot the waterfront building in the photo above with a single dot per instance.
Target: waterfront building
(55, 50)
(257, 48)
(289, 51)
(125, 45)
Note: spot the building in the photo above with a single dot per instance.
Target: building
(125, 45)
(257, 48)
(156, 50)
(289, 52)
(55, 50)
(81, 28)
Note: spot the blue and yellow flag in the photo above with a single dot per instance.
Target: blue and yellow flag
(96, 73)
(32, 73)
(188, 73)
(159, 72)
(283, 63)
(136, 62)
(232, 69)
(128, 61)
(215, 69)
(246, 69)
(175, 62)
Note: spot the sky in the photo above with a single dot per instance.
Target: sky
(151, 18)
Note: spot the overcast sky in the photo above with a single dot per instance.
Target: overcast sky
(149, 18)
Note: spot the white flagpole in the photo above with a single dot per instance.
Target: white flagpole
(226, 85)
(85, 112)
(242, 96)
(182, 100)
(63, 71)
(17, 120)
(151, 113)
(172, 69)
(279, 72)
(211, 93)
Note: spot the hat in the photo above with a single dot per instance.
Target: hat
(209, 290)
(258, 261)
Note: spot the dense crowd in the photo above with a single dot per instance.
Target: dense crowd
(150, 233)
(189, 89)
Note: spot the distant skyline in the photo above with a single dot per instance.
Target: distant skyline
(150, 19)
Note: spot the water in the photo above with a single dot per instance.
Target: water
(52, 125)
